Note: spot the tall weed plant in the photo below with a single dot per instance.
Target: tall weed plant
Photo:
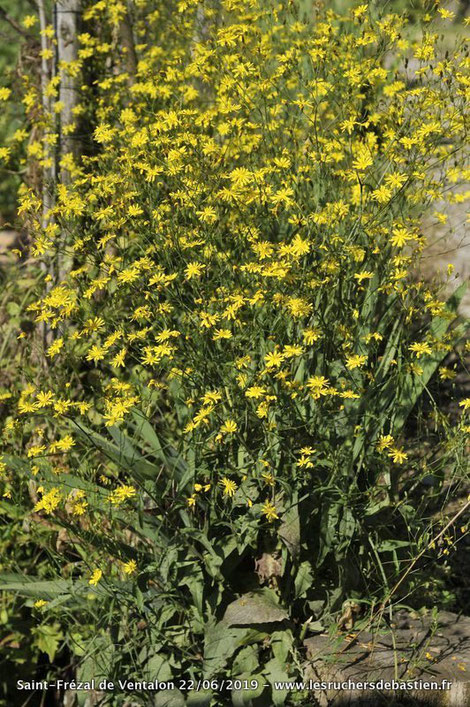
(213, 434)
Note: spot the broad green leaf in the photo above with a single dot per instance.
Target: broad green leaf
(199, 698)
(169, 698)
(389, 545)
(289, 530)
(157, 668)
(98, 663)
(245, 696)
(255, 608)
(220, 644)
(281, 644)
(275, 671)
(246, 661)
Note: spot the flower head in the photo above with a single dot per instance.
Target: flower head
(95, 577)
(269, 510)
(229, 486)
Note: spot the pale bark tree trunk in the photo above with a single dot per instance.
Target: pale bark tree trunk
(48, 172)
(126, 36)
(67, 15)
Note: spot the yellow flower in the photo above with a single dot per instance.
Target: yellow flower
(292, 350)
(49, 501)
(269, 510)
(304, 461)
(95, 577)
(268, 478)
(29, 21)
(193, 270)
(129, 567)
(229, 486)
(222, 334)
(363, 158)
(121, 494)
(420, 349)
(255, 391)
(310, 336)
(365, 275)
(318, 385)
(385, 442)
(398, 456)
(39, 604)
(273, 359)
(229, 427)
(44, 399)
(54, 348)
(355, 361)
(446, 14)
(465, 404)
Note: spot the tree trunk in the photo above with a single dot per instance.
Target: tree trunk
(127, 41)
(67, 15)
(48, 172)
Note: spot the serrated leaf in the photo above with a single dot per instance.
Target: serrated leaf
(48, 638)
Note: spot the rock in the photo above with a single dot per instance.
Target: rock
(418, 649)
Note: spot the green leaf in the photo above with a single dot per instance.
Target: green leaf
(275, 671)
(123, 453)
(157, 668)
(245, 696)
(303, 579)
(289, 529)
(36, 588)
(389, 545)
(220, 643)
(328, 524)
(281, 644)
(200, 698)
(47, 639)
(255, 608)
(246, 661)
(169, 698)
(97, 665)
(194, 580)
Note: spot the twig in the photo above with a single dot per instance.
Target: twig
(13, 23)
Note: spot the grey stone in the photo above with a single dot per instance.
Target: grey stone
(413, 648)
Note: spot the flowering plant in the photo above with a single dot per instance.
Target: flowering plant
(234, 334)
